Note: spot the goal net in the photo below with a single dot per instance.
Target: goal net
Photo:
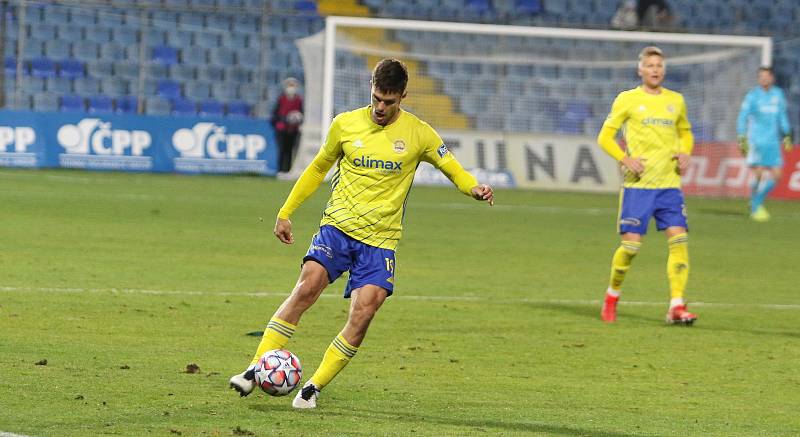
(512, 82)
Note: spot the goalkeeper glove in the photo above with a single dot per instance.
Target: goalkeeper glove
(743, 144)
(787, 143)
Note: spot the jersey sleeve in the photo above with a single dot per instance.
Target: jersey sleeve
(434, 151)
(332, 147)
(744, 114)
(619, 113)
(786, 127)
(682, 123)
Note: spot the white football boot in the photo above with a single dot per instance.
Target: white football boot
(307, 397)
(244, 382)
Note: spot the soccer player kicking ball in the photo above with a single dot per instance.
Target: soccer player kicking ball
(378, 148)
(763, 118)
(659, 142)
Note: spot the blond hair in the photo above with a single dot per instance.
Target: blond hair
(649, 51)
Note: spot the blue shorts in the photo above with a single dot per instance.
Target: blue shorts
(765, 156)
(637, 205)
(338, 253)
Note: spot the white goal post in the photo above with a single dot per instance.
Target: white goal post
(506, 85)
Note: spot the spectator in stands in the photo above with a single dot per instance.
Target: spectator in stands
(626, 17)
(654, 14)
(287, 118)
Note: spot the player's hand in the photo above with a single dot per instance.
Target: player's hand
(634, 165)
(683, 162)
(283, 230)
(744, 145)
(787, 143)
(483, 192)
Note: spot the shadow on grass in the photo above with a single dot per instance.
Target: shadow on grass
(589, 311)
(736, 212)
(482, 425)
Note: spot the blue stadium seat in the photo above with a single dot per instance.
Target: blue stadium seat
(72, 103)
(176, 4)
(58, 85)
(127, 105)
(32, 49)
(183, 107)
(165, 54)
(100, 105)
(45, 102)
(528, 7)
(10, 65)
(238, 110)
(306, 6)
(168, 89)
(70, 33)
(210, 108)
(43, 67)
(238, 74)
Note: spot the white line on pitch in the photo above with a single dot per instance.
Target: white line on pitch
(398, 296)
(10, 434)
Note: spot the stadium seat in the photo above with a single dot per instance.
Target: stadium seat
(43, 67)
(126, 70)
(194, 55)
(182, 72)
(210, 108)
(222, 56)
(57, 49)
(113, 52)
(156, 71)
(99, 68)
(45, 102)
(42, 31)
(207, 40)
(238, 74)
(84, 17)
(306, 6)
(179, 37)
(168, 89)
(86, 51)
(70, 33)
(124, 35)
(32, 49)
(153, 38)
(528, 7)
(100, 35)
(165, 54)
(191, 20)
(72, 103)
(183, 107)
(114, 86)
(198, 90)
(157, 106)
(127, 105)
(211, 73)
(218, 22)
(238, 109)
(58, 85)
(224, 91)
(100, 105)
(10, 65)
(87, 86)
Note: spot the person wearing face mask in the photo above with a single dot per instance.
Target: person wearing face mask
(286, 119)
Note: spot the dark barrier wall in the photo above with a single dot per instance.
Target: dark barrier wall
(136, 143)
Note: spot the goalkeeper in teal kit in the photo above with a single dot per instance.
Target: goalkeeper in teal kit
(762, 127)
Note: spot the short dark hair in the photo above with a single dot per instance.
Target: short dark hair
(766, 68)
(390, 76)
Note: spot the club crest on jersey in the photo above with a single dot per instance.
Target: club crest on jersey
(358, 144)
(442, 150)
(670, 108)
(399, 146)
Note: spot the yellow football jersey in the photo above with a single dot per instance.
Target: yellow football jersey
(652, 123)
(374, 174)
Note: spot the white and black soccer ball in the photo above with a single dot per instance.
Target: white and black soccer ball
(294, 117)
(278, 372)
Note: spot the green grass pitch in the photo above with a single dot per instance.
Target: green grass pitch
(119, 281)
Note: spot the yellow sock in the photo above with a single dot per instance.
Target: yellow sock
(621, 262)
(678, 264)
(339, 353)
(276, 335)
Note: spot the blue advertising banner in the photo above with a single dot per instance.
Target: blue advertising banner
(137, 143)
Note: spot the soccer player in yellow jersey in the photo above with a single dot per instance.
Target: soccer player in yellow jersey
(659, 142)
(377, 149)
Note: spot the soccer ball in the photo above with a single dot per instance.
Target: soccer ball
(278, 372)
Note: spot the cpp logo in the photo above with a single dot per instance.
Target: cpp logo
(209, 140)
(91, 135)
(16, 139)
